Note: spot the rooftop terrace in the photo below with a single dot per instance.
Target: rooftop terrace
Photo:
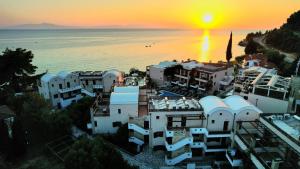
(173, 104)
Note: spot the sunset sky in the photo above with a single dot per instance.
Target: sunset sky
(193, 14)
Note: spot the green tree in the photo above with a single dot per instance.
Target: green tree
(16, 67)
(18, 138)
(80, 112)
(251, 47)
(94, 154)
(57, 124)
(229, 49)
(5, 140)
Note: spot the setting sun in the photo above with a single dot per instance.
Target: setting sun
(207, 18)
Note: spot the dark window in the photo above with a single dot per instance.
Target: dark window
(95, 123)
(183, 122)
(68, 84)
(246, 97)
(94, 82)
(55, 96)
(213, 121)
(60, 86)
(75, 80)
(220, 114)
(214, 83)
(117, 124)
(86, 82)
(119, 111)
(158, 134)
(247, 113)
(157, 117)
(52, 85)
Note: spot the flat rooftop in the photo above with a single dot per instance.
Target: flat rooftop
(287, 123)
(174, 104)
(88, 73)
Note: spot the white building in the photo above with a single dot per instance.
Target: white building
(108, 115)
(271, 142)
(200, 76)
(156, 72)
(263, 87)
(188, 128)
(68, 87)
(61, 89)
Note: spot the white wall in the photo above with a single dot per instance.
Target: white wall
(105, 123)
(157, 75)
(263, 103)
(219, 120)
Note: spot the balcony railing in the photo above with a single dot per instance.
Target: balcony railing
(65, 90)
(234, 158)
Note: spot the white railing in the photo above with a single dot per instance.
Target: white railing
(88, 93)
(138, 129)
(136, 140)
(234, 162)
(208, 150)
(207, 134)
(69, 89)
(198, 145)
(179, 144)
(66, 102)
(178, 159)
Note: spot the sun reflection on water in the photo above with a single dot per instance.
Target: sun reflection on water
(205, 46)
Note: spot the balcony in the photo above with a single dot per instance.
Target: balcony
(137, 124)
(182, 84)
(70, 89)
(88, 93)
(136, 138)
(179, 138)
(217, 148)
(234, 157)
(175, 82)
(64, 102)
(212, 134)
(178, 156)
(97, 86)
(195, 86)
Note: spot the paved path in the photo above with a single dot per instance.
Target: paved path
(290, 57)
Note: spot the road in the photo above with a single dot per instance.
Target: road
(290, 57)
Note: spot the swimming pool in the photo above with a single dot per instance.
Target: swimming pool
(168, 94)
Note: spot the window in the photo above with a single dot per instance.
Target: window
(117, 124)
(68, 84)
(158, 134)
(220, 114)
(95, 123)
(52, 85)
(94, 82)
(225, 73)
(247, 113)
(75, 80)
(119, 111)
(157, 117)
(55, 96)
(214, 83)
(212, 121)
(60, 86)
(86, 82)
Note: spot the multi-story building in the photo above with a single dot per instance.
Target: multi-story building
(68, 87)
(200, 76)
(263, 87)
(61, 89)
(272, 142)
(157, 72)
(188, 129)
(108, 114)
